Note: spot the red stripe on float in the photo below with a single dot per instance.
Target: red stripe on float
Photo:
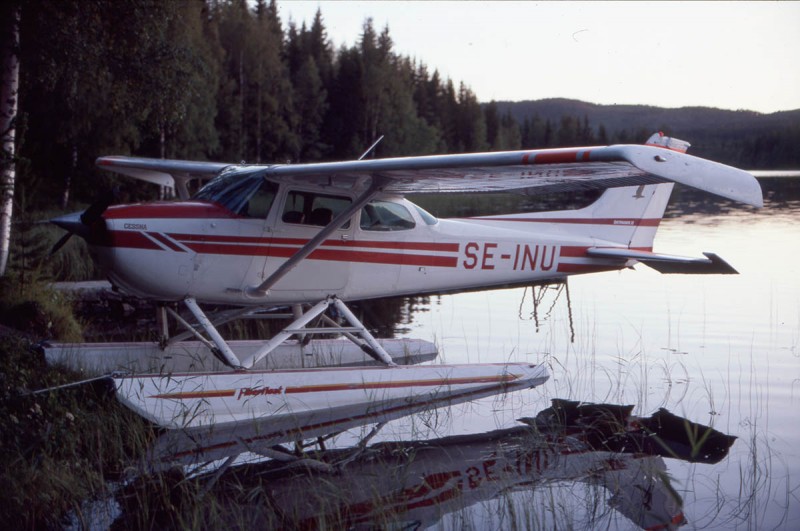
(225, 393)
(197, 394)
(401, 384)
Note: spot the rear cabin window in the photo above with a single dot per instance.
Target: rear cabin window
(386, 216)
(308, 208)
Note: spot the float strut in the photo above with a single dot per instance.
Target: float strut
(369, 344)
(224, 351)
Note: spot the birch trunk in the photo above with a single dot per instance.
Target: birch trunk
(9, 82)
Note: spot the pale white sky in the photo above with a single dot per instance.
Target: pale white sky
(731, 55)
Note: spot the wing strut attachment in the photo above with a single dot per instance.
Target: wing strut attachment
(262, 289)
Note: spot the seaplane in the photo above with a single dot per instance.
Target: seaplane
(314, 237)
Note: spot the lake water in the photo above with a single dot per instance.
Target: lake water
(720, 350)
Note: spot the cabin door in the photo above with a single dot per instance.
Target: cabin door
(302, 215)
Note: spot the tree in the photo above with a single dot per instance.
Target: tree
(9, 84)
(471, 124)
(255, 111)
(310, 63)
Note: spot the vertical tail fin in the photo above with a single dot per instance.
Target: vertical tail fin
(629, 215)
(625, 216)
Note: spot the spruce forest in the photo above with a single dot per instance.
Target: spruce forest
(227, 80)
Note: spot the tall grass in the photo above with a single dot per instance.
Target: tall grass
(60, 448)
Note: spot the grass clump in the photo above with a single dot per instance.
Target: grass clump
(37, 310)
(60, 448)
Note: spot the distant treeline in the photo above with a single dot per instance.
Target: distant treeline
(228, 80)
(745, 139)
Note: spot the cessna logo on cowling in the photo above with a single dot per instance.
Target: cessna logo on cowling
(258, 391)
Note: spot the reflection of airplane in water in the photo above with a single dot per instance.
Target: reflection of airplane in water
(410, 485)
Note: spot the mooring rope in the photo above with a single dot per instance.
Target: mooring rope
(71, 384)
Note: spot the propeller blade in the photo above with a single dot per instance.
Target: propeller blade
(60, 243)
(83, 223)
(96, 209)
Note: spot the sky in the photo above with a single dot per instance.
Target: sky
(730, 55)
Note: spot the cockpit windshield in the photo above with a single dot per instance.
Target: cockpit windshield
(234, 190)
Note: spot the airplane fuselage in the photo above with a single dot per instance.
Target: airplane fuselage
(170, 251)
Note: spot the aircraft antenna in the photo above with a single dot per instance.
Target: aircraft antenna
(372, 147)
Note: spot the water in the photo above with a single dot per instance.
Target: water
(721, 350)
(717, 350)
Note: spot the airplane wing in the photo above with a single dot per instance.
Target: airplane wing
(163, 172)
(529, 172)
(540, 171)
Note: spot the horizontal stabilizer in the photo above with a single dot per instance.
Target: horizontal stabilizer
(669, 264)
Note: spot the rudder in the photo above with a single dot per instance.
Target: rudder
(629, 215)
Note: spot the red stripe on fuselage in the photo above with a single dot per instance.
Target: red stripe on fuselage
(169, 210)
(131, 240)
(579, 251)
(287, 247)
(255, 240)
(585, 268)
(621, 222)
(165, 241)
(327, 254)
(571, 251)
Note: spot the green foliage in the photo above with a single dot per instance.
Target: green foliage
(30, 306)
(57, 449)
(222, 80)
(27, 302)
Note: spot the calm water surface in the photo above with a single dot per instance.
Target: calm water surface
(721, 350)
(718, 350)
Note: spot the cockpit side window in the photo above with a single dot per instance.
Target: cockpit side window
(386, 216)
(240, 192)
(309, 208)
(426, 216)
(259, 203)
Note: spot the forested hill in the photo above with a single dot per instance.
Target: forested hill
(741, 138)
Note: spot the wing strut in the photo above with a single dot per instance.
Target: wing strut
(262, 289)
(371, 148)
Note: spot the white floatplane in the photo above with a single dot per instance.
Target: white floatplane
(320, 234)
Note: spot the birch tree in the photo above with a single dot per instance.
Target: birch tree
(9, 82)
